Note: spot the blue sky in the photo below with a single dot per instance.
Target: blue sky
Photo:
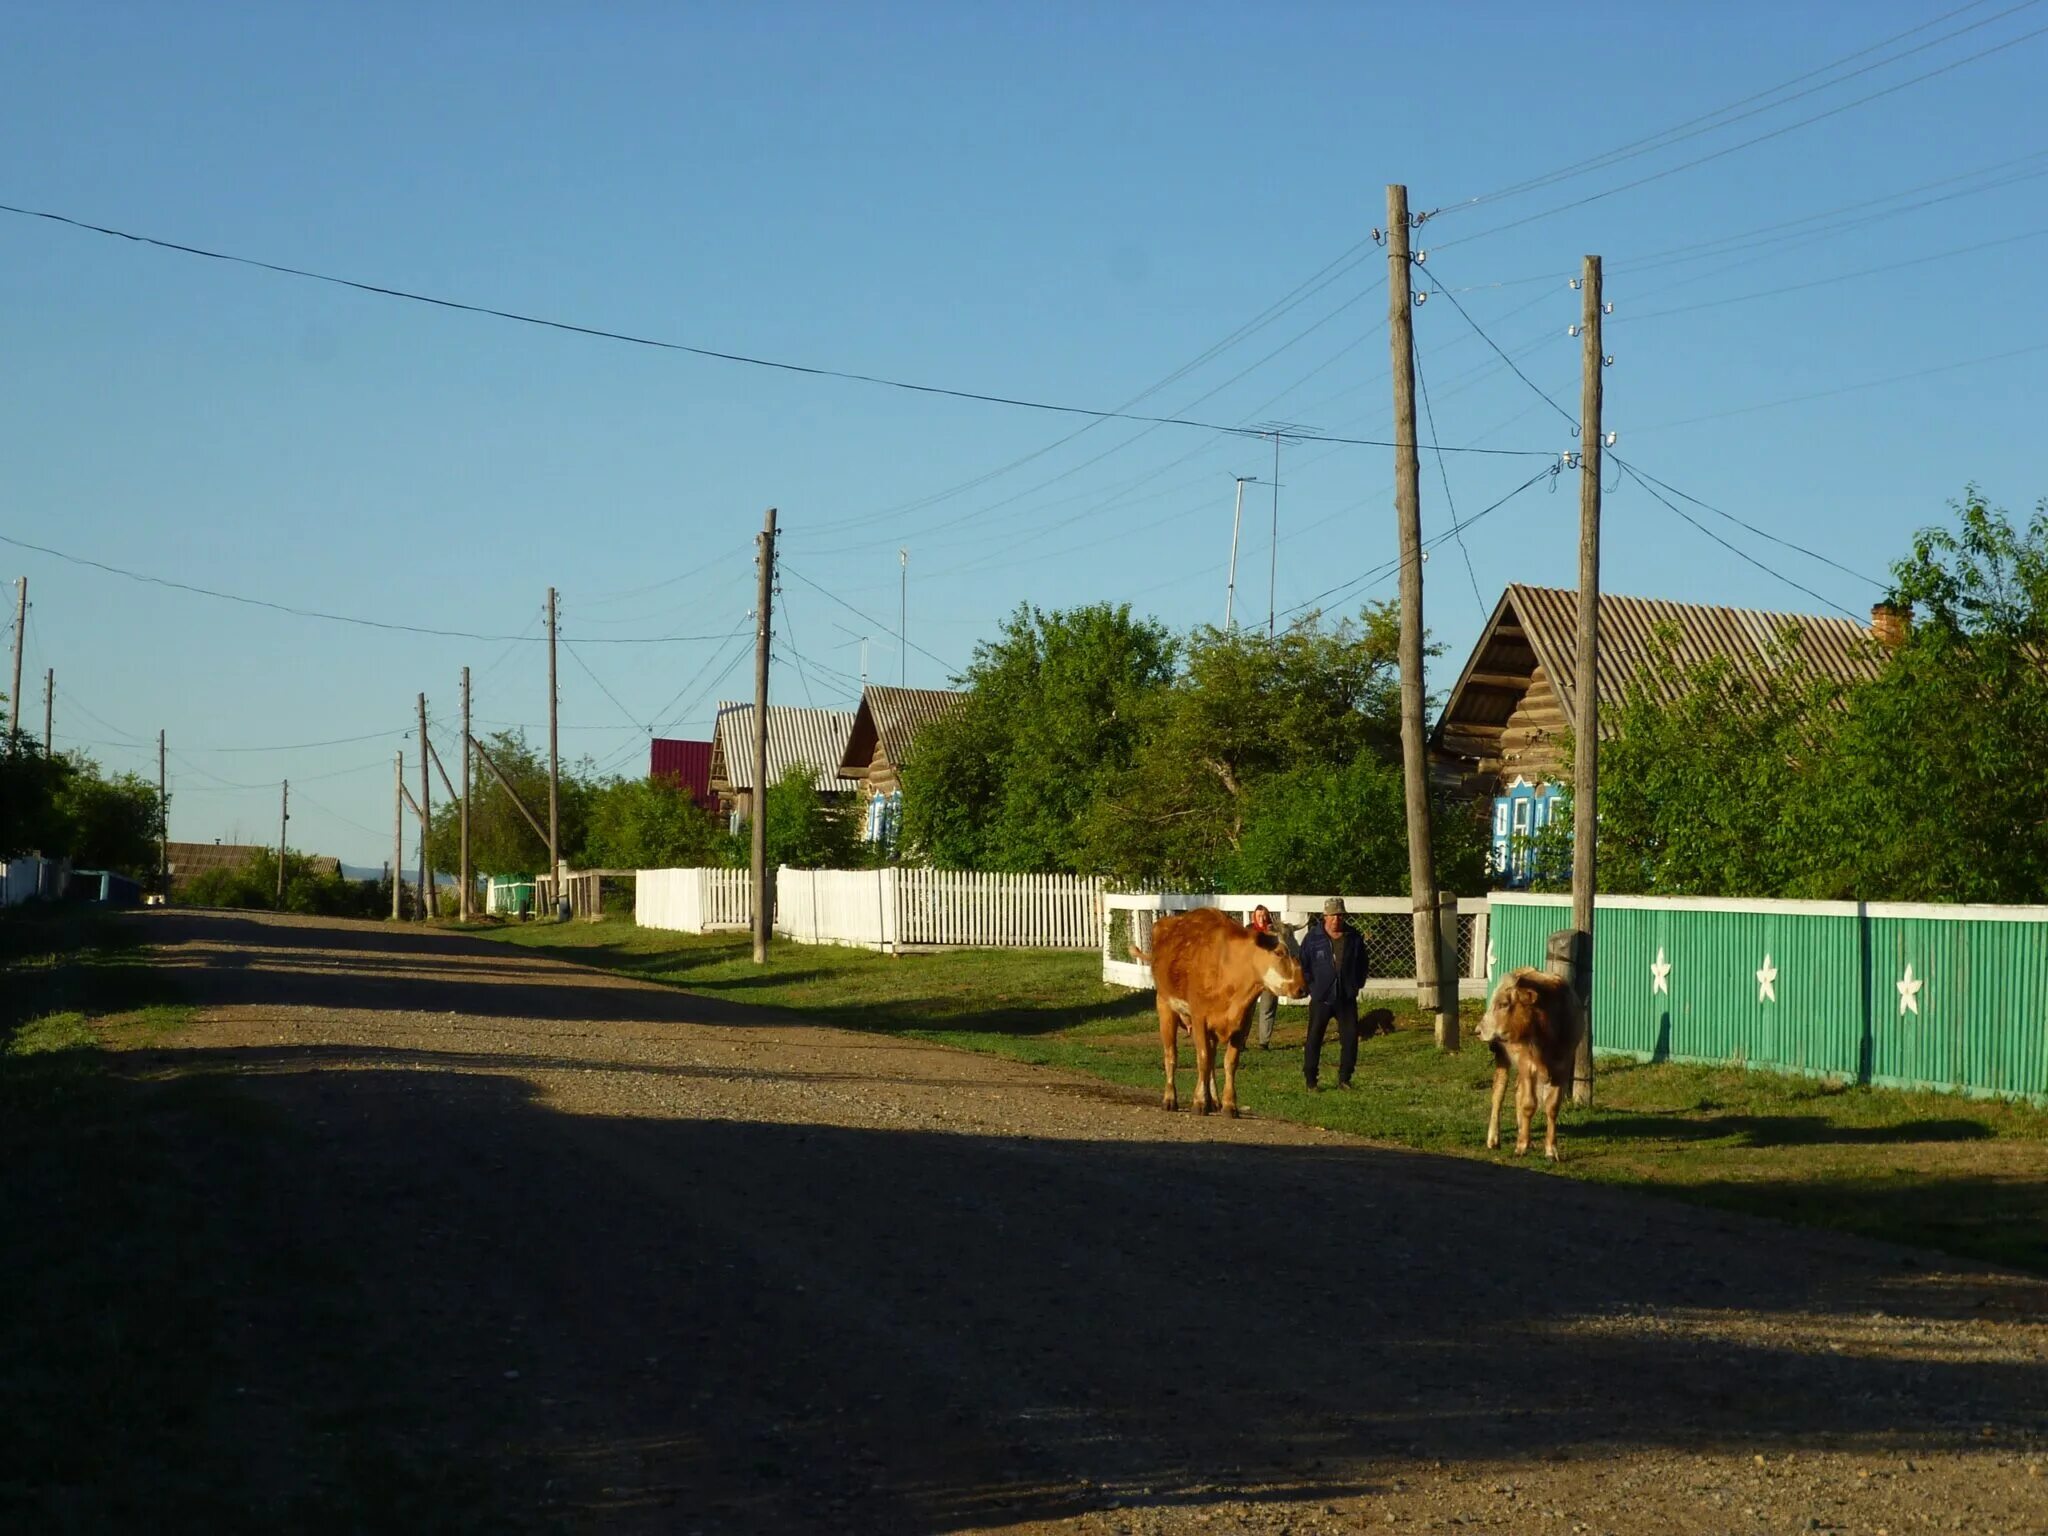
(1059, 202)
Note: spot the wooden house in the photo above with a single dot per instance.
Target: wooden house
(885, 728)
(815, 738)
(1511, 708)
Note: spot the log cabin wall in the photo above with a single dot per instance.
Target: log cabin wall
(1532, 742)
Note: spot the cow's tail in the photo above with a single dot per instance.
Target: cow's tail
(1140, 956)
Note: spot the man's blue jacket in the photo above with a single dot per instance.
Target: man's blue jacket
(1325, 984)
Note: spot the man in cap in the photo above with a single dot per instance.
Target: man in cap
(1333, 960)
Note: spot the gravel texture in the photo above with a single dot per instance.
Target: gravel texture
(666, 1264)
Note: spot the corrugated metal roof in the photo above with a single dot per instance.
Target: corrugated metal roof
(814, 737)
(1837, 648)
(188, 861)
(687, 762)
(894, 716)
(1629, 644)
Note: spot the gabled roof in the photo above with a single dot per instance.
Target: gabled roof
(893, 716)
(686, 762)
(1538, 626)
(814, 737)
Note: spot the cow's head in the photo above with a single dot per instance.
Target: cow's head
(1281, 972)
(1512, 1013)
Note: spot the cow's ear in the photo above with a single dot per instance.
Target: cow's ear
(1267, 941)
(1526, 995)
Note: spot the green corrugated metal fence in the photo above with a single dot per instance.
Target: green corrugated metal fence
(1904, 996)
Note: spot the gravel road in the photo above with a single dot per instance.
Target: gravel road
(659, 1263)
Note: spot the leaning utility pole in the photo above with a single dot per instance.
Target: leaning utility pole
(1422, 891)
(398, 837)
(49, 704)
(902, 619)
(426, 813)
(465, 907)
(554, 765)
(1586, 716)
(1236, 522)
(284, 815)
(763, 914)
(163, 826)
(20, 635)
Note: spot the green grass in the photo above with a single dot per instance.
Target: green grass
(1930, 1169)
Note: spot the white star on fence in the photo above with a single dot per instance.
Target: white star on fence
(1660, 973)
(1767, 982)
(1491, 961)
(1909, 991)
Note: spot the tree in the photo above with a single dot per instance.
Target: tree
(323, 893)
(65, 806)
(648, 824)
(803, 831)
(1055, 707)
(500, 841)
(1939, 795)
(1243, 710)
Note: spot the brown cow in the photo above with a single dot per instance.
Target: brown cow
(1534, 1024)
(1206, 969)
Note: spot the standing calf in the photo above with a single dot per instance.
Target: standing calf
(1534, 1023)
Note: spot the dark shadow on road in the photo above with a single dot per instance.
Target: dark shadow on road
(632, 1323)
(1772, 1130)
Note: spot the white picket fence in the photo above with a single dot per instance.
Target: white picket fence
(898, 909)
(1387, 923)
(692, 900)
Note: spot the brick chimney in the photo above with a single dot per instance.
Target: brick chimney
(1890, 623)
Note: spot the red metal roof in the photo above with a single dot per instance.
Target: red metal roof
(688, 763)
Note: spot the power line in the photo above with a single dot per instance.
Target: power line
(1686, 165)
(1567, 415)
(1840, 277)
(846, 375)
(1706, 122)
(1846, 389)
(1752, 527)
(867, 618)
(1429, 414)
(1733, 549)
(578, 659)
(1382, 572)
(332, 618)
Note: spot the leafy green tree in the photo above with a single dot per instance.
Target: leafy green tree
(1243, 710)
(1057, 706)
(322, 893)
(500, 841)
(1939, 788)
(803, 831)
(64, 805)
(648, 824)
(1324, 827)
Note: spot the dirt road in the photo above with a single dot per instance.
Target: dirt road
(637, 1261)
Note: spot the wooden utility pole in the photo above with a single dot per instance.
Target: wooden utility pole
(468, 911)
(1586, 716)
(398, 837)
(763, 913)
(20, 636)
(284, 816)
(49, 704)
(425, 809)
(1430, 995)
(163, 826)
(554, 765)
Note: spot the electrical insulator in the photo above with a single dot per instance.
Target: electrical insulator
(1379, 237)
(1613, 438)
(1422, 297)
(1421, 258)
(1607, 361)
(1607, 307)
(1572, 329)
(1575, 285)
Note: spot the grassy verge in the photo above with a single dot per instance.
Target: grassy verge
(1929, 1169)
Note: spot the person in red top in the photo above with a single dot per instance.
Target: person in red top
(1265, 1005)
